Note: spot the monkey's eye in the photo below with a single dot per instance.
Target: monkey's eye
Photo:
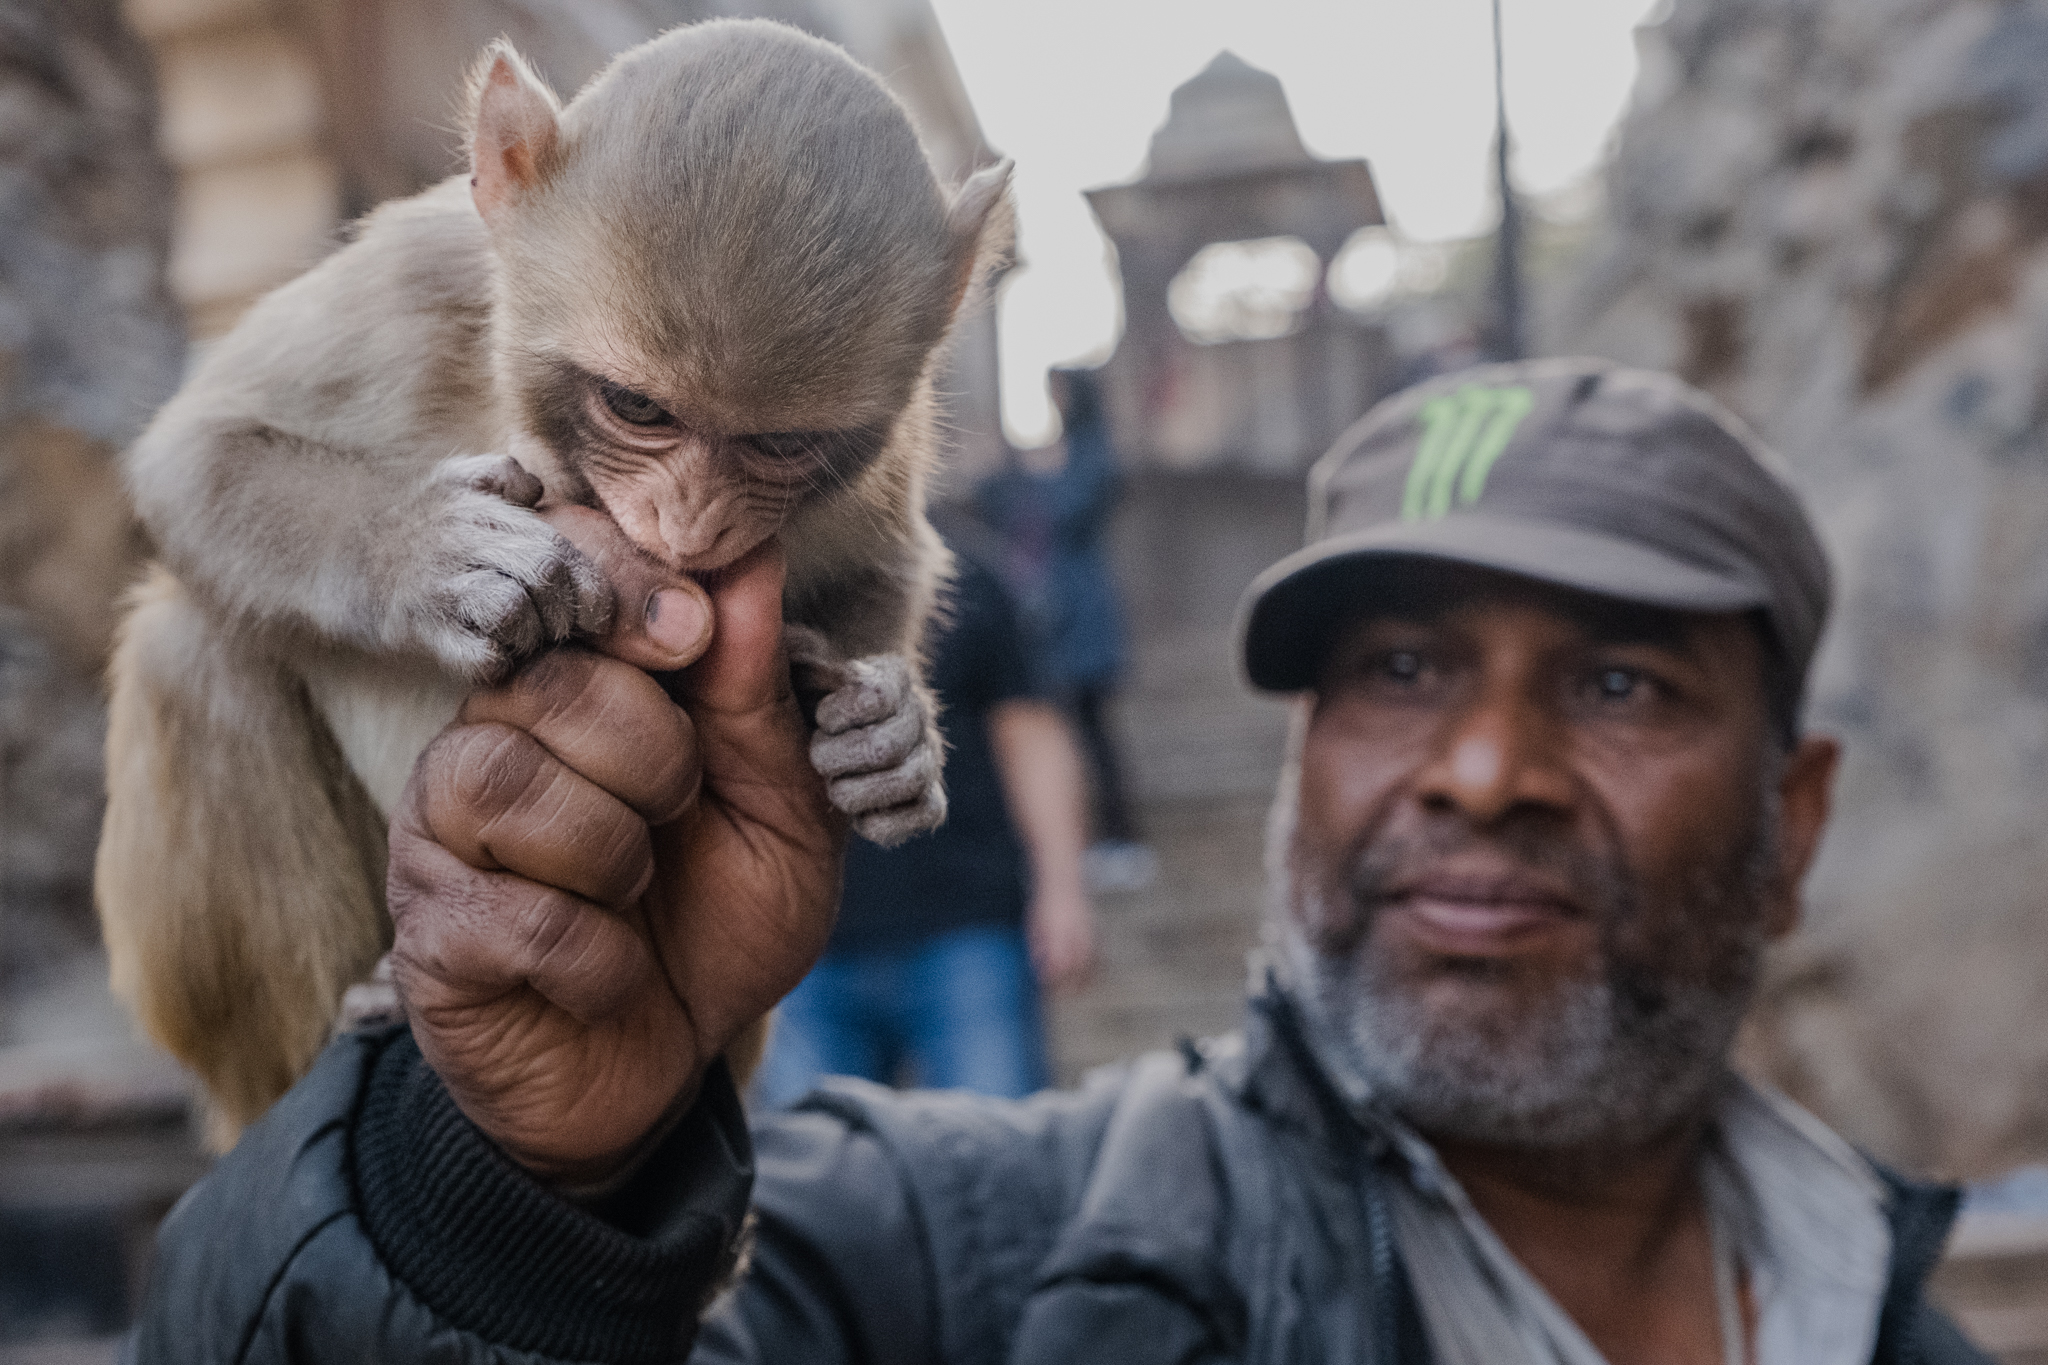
(630, 406)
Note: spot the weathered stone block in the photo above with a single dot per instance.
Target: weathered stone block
(235, 95)
(246, 227)
(1835, 216)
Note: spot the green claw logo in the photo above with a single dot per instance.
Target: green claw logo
(1463, 433)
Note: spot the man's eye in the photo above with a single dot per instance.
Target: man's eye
(630, 406)
(1402, 665)
(1619, 684)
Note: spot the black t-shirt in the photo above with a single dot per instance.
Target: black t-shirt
(971, 869)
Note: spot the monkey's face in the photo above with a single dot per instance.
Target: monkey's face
(705, 367)
(723, 273)
(695, 491)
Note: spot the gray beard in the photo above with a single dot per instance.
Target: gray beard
(1607, 1061)
(1604, 1064)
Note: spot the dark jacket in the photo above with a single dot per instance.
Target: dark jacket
(1058, 565)
(1210, 1205)
(970, 870)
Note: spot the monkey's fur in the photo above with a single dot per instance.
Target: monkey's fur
(707, 297)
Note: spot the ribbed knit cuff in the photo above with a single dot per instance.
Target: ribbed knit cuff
(494, 1253)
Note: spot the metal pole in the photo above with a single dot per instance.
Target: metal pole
(1507, 342)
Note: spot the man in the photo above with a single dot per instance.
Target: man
(942, 944)
(1547, 799)
(1053, 506)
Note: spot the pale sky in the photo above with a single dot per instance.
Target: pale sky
(1073, 89)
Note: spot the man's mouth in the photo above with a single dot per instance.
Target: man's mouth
(1479, 915)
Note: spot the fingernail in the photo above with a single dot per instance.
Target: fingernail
(676, 619)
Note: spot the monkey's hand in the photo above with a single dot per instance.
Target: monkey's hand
(877, 741)
(501, 584)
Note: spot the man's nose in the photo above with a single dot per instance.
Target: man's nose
(1499, 752)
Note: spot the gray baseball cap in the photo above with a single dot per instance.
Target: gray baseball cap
(1616, 481)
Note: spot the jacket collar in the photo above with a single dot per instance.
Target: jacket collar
(1273, 1071)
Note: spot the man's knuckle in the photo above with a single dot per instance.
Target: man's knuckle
(492, 768)
(421, 874)
(549, 688)
(675, 784)
(626, 861)
(541, 923)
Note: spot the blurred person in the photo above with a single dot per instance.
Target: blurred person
(1548, 794)
(1053, 507)
(942, 943)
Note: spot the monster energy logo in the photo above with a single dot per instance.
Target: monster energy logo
(1463, 433)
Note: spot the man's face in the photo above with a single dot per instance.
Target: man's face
(1537, 842)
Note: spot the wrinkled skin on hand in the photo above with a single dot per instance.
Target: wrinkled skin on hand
(595, 889)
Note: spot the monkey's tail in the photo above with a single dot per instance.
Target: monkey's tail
(240, 875)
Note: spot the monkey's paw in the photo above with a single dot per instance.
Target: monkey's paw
(879, 751)
(501, 583)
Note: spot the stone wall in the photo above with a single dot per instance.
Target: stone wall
(92, 1141)
(1834, 214)
(90, 343)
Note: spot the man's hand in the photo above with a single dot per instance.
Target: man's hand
(1059, 928)
(596, 890)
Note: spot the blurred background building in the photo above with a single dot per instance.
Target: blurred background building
(1834, 215)
(1234, 371)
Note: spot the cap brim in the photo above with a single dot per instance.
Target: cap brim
(1287, 613)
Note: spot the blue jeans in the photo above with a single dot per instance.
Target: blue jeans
(958, 1010)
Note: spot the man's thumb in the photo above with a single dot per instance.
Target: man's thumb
(745, 667)
(661, 620)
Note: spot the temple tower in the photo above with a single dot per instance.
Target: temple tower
(1271, 393)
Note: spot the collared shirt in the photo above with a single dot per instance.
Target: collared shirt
(1792, 1203)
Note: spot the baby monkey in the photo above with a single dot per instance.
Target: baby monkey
(706, 298)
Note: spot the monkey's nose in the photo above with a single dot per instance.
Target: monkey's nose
(708, 552)
(700, 548)
(681, 536)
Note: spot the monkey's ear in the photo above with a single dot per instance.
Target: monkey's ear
(982, 224)
(514, 130)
